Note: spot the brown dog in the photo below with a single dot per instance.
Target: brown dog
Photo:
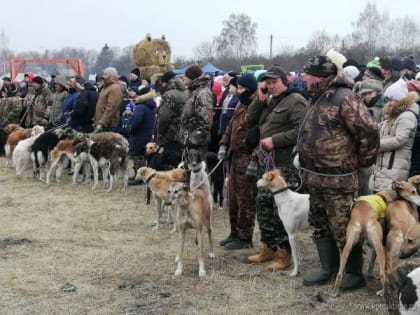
(159, 183)
(16, 133)
(194, 211)
(404, 230)
(364, 224)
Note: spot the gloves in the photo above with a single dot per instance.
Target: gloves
(221, 155)
(252, 169)
(98, 128)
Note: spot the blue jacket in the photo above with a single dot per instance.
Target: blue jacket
(68, 104)
(142, 125)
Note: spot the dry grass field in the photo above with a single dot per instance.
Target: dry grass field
(68, 250)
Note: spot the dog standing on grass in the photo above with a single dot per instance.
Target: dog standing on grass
(194, 211)
(293, 210)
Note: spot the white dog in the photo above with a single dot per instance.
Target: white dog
(293, 210)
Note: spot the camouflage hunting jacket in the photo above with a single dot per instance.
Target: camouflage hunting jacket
(197, 116)
(35, 105)
(169, 114)
(10, 110)
(336, 138)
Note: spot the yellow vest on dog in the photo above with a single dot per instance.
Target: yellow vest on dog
(377, 204)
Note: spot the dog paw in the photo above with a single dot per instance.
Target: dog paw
(173, 231)
(178, 273)
(380, 293)
(202, 273)
(294, 273)
(212, 255)
(155, 228)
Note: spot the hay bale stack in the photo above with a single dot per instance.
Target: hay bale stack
(152, 56)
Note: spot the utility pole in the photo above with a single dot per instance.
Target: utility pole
(271, 46)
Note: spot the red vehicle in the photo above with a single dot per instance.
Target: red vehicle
(65, 66)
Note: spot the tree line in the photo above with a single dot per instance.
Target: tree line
(374, 33)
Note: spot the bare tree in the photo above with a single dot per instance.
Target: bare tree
(238, 37)
(404, 34)
(206, 50)
(368, 27)
(319, 44)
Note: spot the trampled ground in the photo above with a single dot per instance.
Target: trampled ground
(68, 250)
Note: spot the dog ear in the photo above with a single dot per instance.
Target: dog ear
(269, 176)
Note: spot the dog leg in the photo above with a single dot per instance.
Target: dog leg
(159, 205)
(350, 241)
(293, 246)
(375, 238)
(371, 264)
(52, 168)
(173, 210)
(76, 171)
(95, 174)
(201, 269)
(180, 253)
(209, 234)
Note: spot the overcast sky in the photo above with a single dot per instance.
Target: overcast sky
(48, 24)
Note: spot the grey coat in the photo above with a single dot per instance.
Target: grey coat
(396, 142)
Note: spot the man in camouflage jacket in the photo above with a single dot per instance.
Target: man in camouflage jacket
(337, 137)
(196, 116)
(10, 106)
(36, 102)
(169, 117)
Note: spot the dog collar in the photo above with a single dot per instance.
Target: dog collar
(280, 190)
(150, 178)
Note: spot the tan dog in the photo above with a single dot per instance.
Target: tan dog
(194, 211)
(364, 224)
(404, 230)
(159, 183)
(60, 157)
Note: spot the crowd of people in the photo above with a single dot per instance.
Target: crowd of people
(353, 127)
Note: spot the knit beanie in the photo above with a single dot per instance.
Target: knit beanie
(374, 73)
(135, 71)
(397, 91)
(249, 82)
(409, 63)
(320, 66)
(351, 72)
(167, 76)
(38, 80)
(193, 72)
(111, 71)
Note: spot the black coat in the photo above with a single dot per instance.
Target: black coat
(84, 109)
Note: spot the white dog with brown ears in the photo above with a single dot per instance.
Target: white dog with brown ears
(194, 211)
(293, 210)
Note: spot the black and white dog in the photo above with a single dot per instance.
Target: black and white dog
(409, 294)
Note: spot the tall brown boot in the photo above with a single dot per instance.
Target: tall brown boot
(282, 260)
(265, 254)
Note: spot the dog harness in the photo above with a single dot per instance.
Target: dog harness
(376, 202)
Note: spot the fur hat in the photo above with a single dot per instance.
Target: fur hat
(61, 80)
(167, 76)
(320, 66)
(397, 91)
(275, 72)
(337, 58)
(374, 73)
(111, 71)
(193, 72)
(11, 89)
(135, 71)
(143, 90)
(248, 81)
(409, 63)
(38, 80)
(351, 72)
(370, 85)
